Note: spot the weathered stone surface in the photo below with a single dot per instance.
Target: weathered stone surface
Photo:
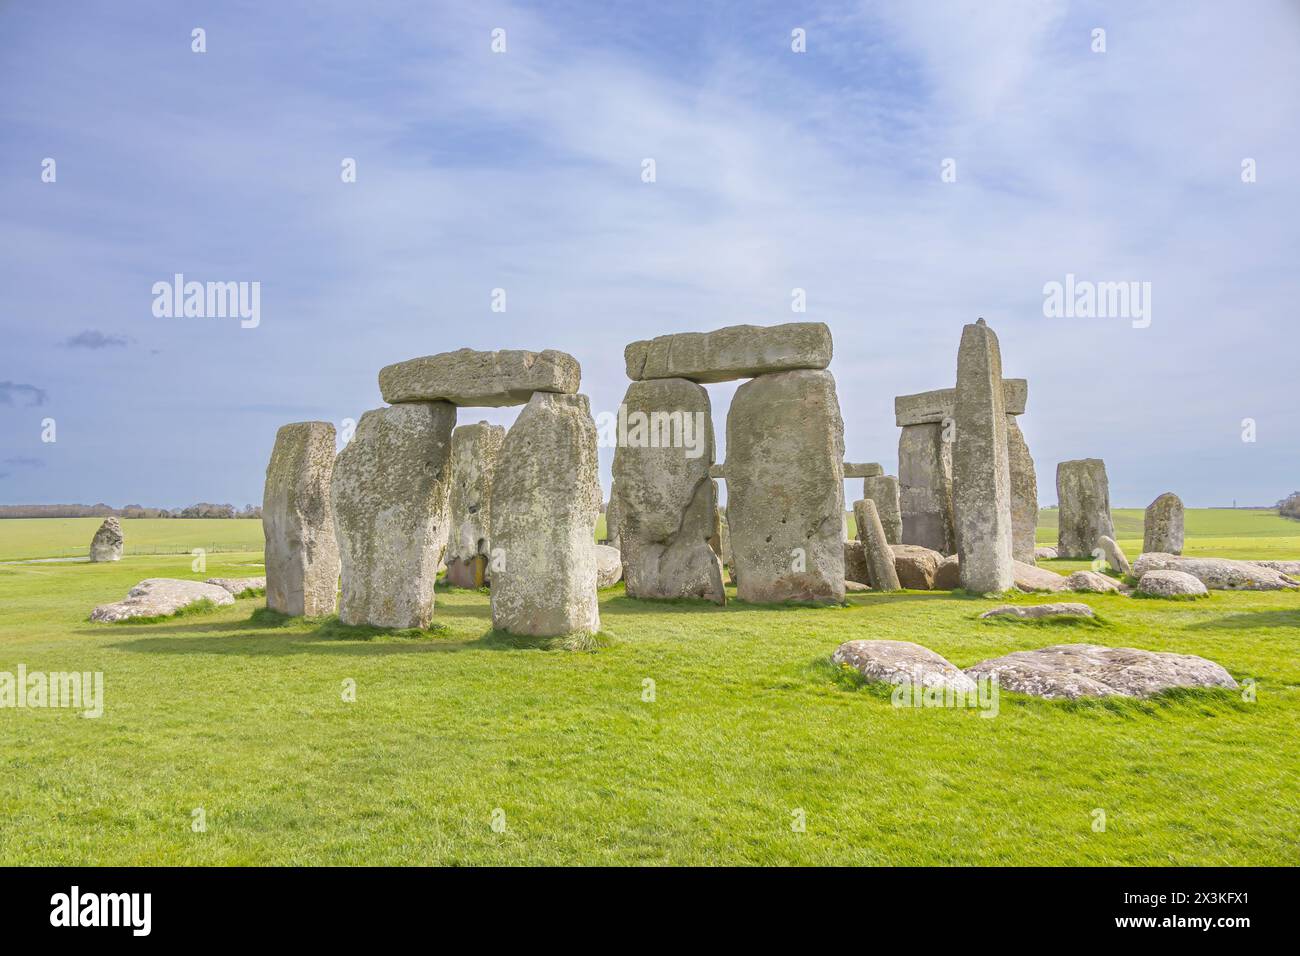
(1162, 525)
(901, 662)
(718, 471)
(883, 490)
(1029, 578)
(855, 563)
(390, 512)
(855, 587)
(106, 545)
(925, 487)
(1045, 553)
(947, 576)
(1114, 555)
(609, 566)
(1290, 568)
(1083, 498)
(1036, 612)
(474, 450)
(545, 500)
(881, 573)
(981, 479)
(1170, 584)
(1024, 493)
(613, 518)
(926, 408)
(158, 597)
(785, 488)
(735, 352)
(916, 566)
(1091, 581)
(863, 469)
(1217, 574)
(487, 379)
(667, 501)
(301, 550)
(724, 543)
(239, 586)
(1071, 671)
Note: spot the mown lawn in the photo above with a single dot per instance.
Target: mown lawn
(245, 718)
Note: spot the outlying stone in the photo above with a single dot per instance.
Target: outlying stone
(301, 552)
(925, 408)
(609, 566)
(390, 511)
(883, 490)
(855, 563)
(1024, 493)
(868, 469)
(1217, 574)
(239, 586)
(1114, 555)
(488, 379)
(474, 450)
(106, 545)
(785, 488)
(1044, 553)
(915, 566)
(901, 662)
(1091, 581)
(734, 352)
(881, 573)
(947, 576)
(1072, 671)
(1162, 525)
(925, 487)
(667, 501)
(545, 500)
(981, 480)
(1083, 499)
(1029, 577)
(160, 597)
(1036, 612)
(1170, 584)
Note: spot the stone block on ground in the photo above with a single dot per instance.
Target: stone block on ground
(1029, 577)
(1217, 574)
(916, 566)
(160, 597)
(1038, 612)
(609, 566)
(901, 662)
(947, 576)
(239, 586)
(1091, 581)
(1170, 584)
(1071, 671)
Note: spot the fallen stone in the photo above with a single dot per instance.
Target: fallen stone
(785, 488)
(1030, 578)
(390, 511)
(160, 597)
(474, 450)
(927, 408)
(1290, 568)
(1091, 581)
(1170, 584)
(855, 563)
(901, 662)
(869, 469)
(1036, 612)
(1217, 574)
(301, 551)
(883, 490)
(609, 566)
(947, 576)
(106, 545)
(1162, 525)
(239, 586)
(855, 587)
(925, 487)
(734, 352)
(980, 465)
(1072, 671)
(487, 379)
(1114, 555)
(916, 566)
(545, 501)
(1024, 494)
(1083, 498)
(1045, 554)
(881, 573)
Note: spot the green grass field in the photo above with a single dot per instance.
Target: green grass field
(750, 729)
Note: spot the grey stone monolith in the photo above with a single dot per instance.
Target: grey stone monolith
(925, 486)
(1083, 499)
(474, 450)
(1162, 525)
(881, 573)
(1024, 493)
(106, 545)
(883, 490)
(301, 551)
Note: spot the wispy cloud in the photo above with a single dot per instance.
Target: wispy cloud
(9, 391)
(94, 339)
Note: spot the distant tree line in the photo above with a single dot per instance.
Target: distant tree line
(1289, 507)
(203, 509)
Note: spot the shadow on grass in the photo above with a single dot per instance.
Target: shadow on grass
(1248, 620)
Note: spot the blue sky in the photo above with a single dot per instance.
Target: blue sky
(522, 171)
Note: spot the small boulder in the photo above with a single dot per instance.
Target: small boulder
(855, 562)
(1031, 578)
(106, 545)
(1091, 581)
(901, 662)
(916, 565)
(239, 586)
(947, 576)
(1217, 574)
(1170, 584)
(1036, 612)
(609, 566)
(1088, 670)
(855, 587)
(1044, 553)
(159, 597)
(1114, 555)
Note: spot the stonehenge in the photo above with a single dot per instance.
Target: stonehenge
(881, 573)
(980, 467)
(301, 552)
(883, 491)
(735, 352)
(1162, 525)
(484, 379)
(106, 545)
(1083, 497)
(474, 450)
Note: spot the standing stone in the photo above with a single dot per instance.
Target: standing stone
(474, 450)
(881, 573)
(925, 486)
(785, 488)
(883, 490)
(301, 551)
(1024, 494)
(668, 503)
(981, 478)
(545, 501)
(1083, 499)
(1114, 555)
(390, 507)
(1162, 525)
(106, 545)
(724, 545)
